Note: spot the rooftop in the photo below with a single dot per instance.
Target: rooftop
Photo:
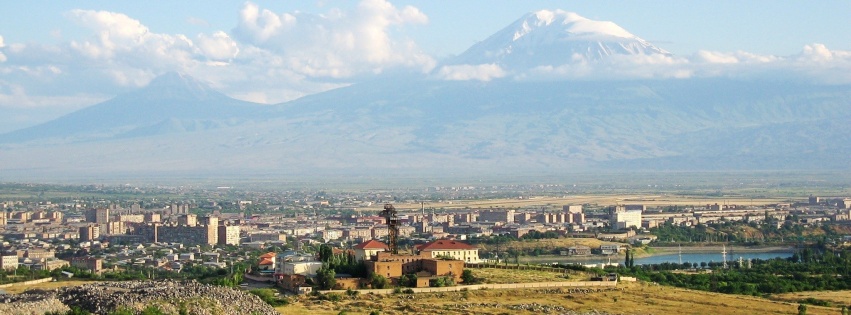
(372, 244)
(445, 245)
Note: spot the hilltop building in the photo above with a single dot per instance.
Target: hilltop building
(369, 249)
(449, 248)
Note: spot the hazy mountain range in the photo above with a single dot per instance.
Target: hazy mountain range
(423, 125)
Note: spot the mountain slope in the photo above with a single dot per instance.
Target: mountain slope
(172, 98)
(416, 126)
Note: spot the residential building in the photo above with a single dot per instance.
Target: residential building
(152, 217)
(625, 219)
(228, 234)
(449, 248)
(134, 218)
(98, 215)
(92, 264)
(89, 232)
(506, 216)
(368, 249)
(9, 262)
(267, 236)
(190, 220)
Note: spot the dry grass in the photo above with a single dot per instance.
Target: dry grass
(15, 289)
(636, 298)
(524, 276)
(835, 297)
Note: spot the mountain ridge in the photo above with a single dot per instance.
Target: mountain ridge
(422, 125)
(171, 96)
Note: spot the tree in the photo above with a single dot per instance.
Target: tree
(409, 280)
(802, 309)
(378, 281)
(467, 277)
(325, 253)
(325, 278)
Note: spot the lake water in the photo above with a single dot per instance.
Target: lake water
(672, 258)
(708, 257)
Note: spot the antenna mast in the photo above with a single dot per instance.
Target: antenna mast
(392, 221)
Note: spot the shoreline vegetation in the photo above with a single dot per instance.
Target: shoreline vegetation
(659, 251)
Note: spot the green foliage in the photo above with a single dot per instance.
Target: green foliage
(814, 301)
(152, 310)
(345, 263)
(442, 282)
(268, 296)
(123, 311)
(409, 280)
(375, 313)
(802, 309)
(408, 291)
(333, 297)
(325, 278)
(468, 278)
(537, 235)
(630, 259)
(810, 271)
(325, 253)
(378, 281)
(75, 310)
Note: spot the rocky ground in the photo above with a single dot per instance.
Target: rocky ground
(170, 296)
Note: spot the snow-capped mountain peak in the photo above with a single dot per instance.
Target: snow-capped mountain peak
(570, 23)
(552, 38)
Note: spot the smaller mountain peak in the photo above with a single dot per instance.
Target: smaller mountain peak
(176, 79)
(176, 84)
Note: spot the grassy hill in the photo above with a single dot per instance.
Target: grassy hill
(627, 298)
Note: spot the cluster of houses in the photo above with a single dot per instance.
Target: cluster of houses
(440, 258)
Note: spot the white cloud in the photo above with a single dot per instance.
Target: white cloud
(219, 46)
(2, 44)
(127, 47)
(339, 44)
(485, 72)
(816, 63)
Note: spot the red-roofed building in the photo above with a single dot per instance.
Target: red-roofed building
(267, 262)
(368, 249)
(450, 248)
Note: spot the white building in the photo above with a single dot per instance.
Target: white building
(305, 268)
(448, 248)
(228, 235)
(625, 219)
(9, 262)
(368, 249)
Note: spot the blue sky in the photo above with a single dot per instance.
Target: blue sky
(59, 56)
(767, 27)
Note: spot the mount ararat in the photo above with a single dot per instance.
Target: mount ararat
(178, 126)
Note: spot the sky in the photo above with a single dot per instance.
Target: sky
(60, 56)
